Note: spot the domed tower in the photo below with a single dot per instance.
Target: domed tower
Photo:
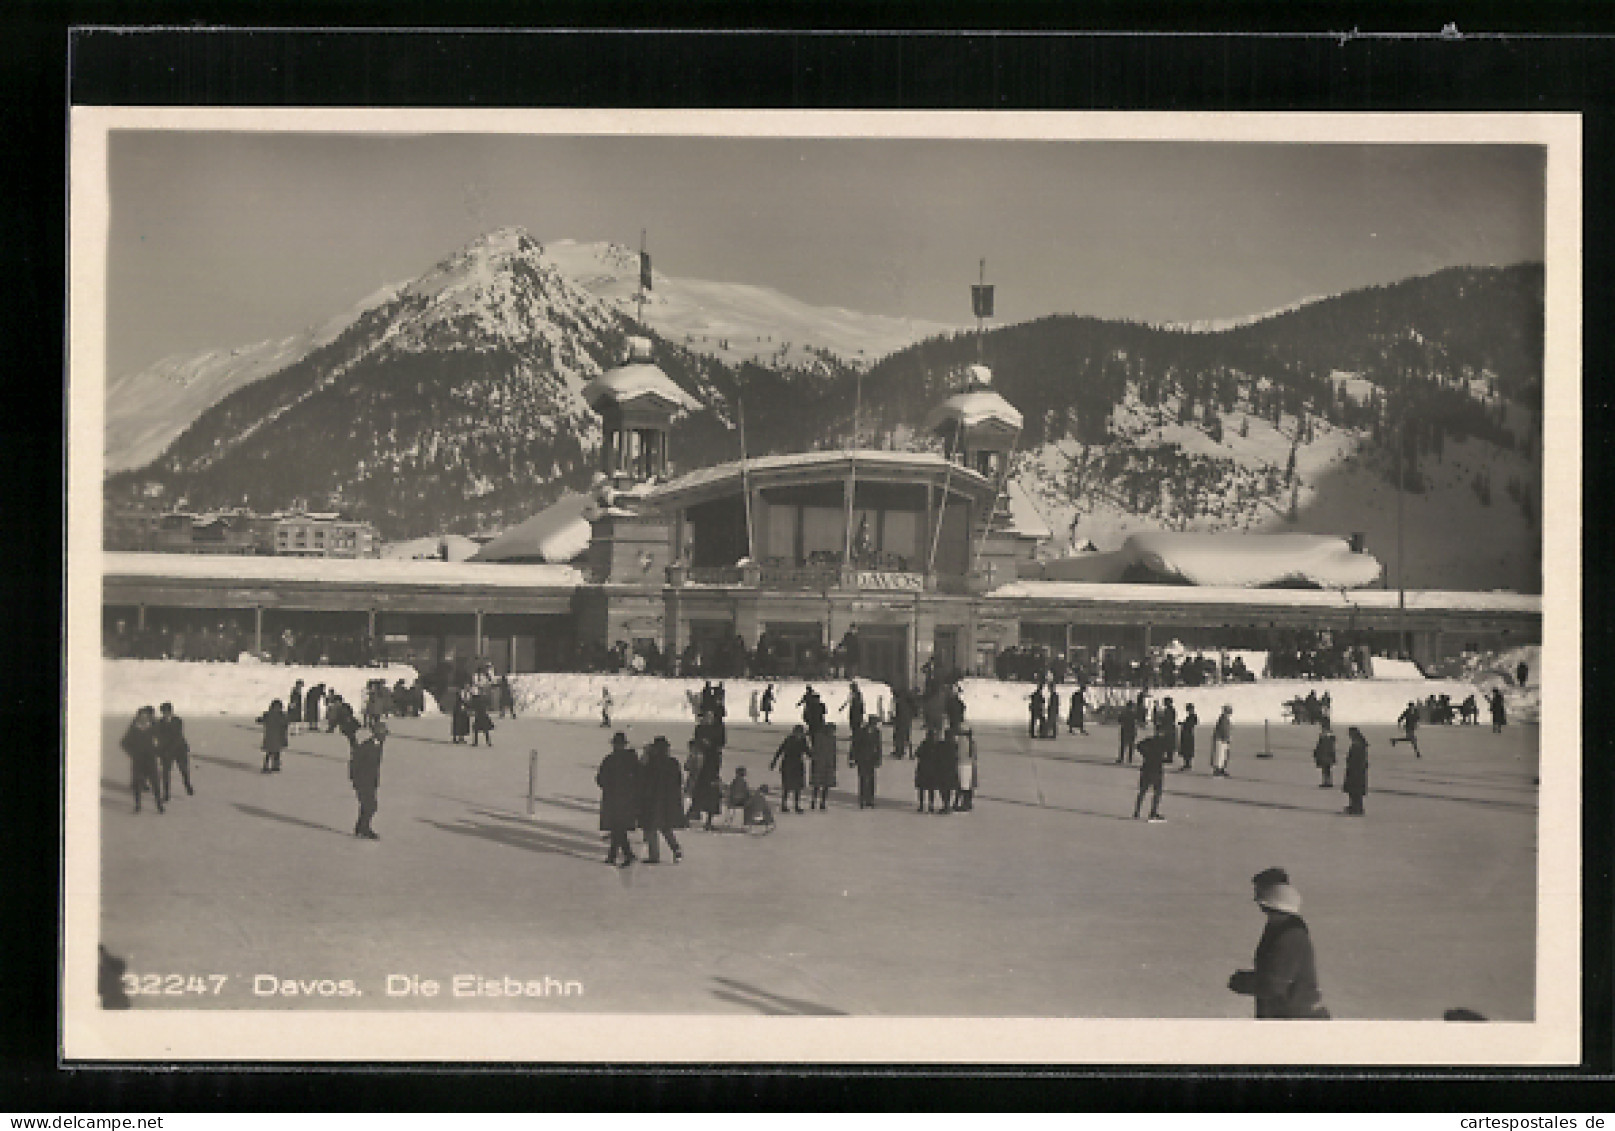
(637, 403)
(978, 427)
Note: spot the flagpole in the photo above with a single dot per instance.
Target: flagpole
(852, 466)
(942, 511)
(745, 482)
(980, 320)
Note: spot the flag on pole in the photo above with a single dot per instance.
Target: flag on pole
(981, 299)
(644, 270)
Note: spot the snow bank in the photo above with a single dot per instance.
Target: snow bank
(228, 689)
(987, 701)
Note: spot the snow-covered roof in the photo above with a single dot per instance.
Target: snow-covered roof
(977, 408)
(634, 384)
(1227, 560)
(351, 571)
(1418, 600)
(558, 533)
(872, 461)
(459, 546)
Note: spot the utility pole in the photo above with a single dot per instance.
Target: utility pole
(1401, 577)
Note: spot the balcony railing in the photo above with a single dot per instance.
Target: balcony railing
(810, 578)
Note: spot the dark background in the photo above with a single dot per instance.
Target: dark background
(1306, 57)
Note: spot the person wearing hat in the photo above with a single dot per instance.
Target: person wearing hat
(1285, 980)
(1323, 754)
(141, 742)
(364, 771)
(618, 779)
(661, 800)
(1166, 725)
(1222, 737)
(172, 749)
(1186, 738)
(791, 758)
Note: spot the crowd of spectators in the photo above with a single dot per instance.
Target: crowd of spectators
(227, 640)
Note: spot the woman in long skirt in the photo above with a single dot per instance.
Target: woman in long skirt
(460, 725)
(822, 772)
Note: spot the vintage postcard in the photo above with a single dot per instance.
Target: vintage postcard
(572, 586)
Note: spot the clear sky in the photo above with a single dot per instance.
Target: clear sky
(225, 239)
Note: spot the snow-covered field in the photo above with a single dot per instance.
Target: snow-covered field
(247, 688)
(228, 689)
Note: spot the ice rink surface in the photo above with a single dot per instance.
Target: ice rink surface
(1047, 900)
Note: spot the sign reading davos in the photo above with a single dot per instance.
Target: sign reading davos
(880, 579)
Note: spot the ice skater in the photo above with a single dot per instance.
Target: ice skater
(1166, 725)
(1285, 980)
(618, 779)
(1076, 721)
(969, 773)
(1323, 754)
(481, 723)
(605, 707)
(928, 771)
(766, 705)
(1408, 720)
(172, 750)
(1051, 716)
(1498, 708)
(1152, 755)
(854, 706)
(364, 771)
(791, 758)
(140, 743)
(1129, 733)
(294, 709)
(274, 724)
(1035, 704)
(460, 724)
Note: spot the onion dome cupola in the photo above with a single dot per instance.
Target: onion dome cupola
(637, 403)
(977, 426)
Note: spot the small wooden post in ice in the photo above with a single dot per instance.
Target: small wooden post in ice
(1267, 749)
(532, 781)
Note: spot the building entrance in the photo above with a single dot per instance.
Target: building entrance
(883, 655)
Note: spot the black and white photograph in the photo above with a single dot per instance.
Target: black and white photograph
(536, 579)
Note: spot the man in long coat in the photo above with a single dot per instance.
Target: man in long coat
(1285, 980)
(618, 779)
(661, 800)
(364, 771)
(865, 756)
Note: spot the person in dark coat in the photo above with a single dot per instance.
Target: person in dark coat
(822, 768)
(927, 770)
(902, 724)
(855, 709)
(618, 779)
(791, 758)
(481, 722)
(865, 757)
(364, 771)
(1499, 711)
(172, 750)
(140, 743)
(507, 697)
(1051, 716)
(1076, 721)
(1323, 755)
(1167, 727)
(661, 808)
(1355, 781)
(274, 723)
(706, 789)
(1129, 733)
(460, 723)
(1285, 980)
(1034, 726)
(1152, 755)
(766, 707)
(953, 707)
(311, 707)
(294, 708)
(1186, 738)
(945, 770)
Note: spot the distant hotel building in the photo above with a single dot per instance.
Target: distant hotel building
(325, 536)
(146, 524)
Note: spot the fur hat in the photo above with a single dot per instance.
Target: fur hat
(1279, 897)
(1269, 876)
(619, 741)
